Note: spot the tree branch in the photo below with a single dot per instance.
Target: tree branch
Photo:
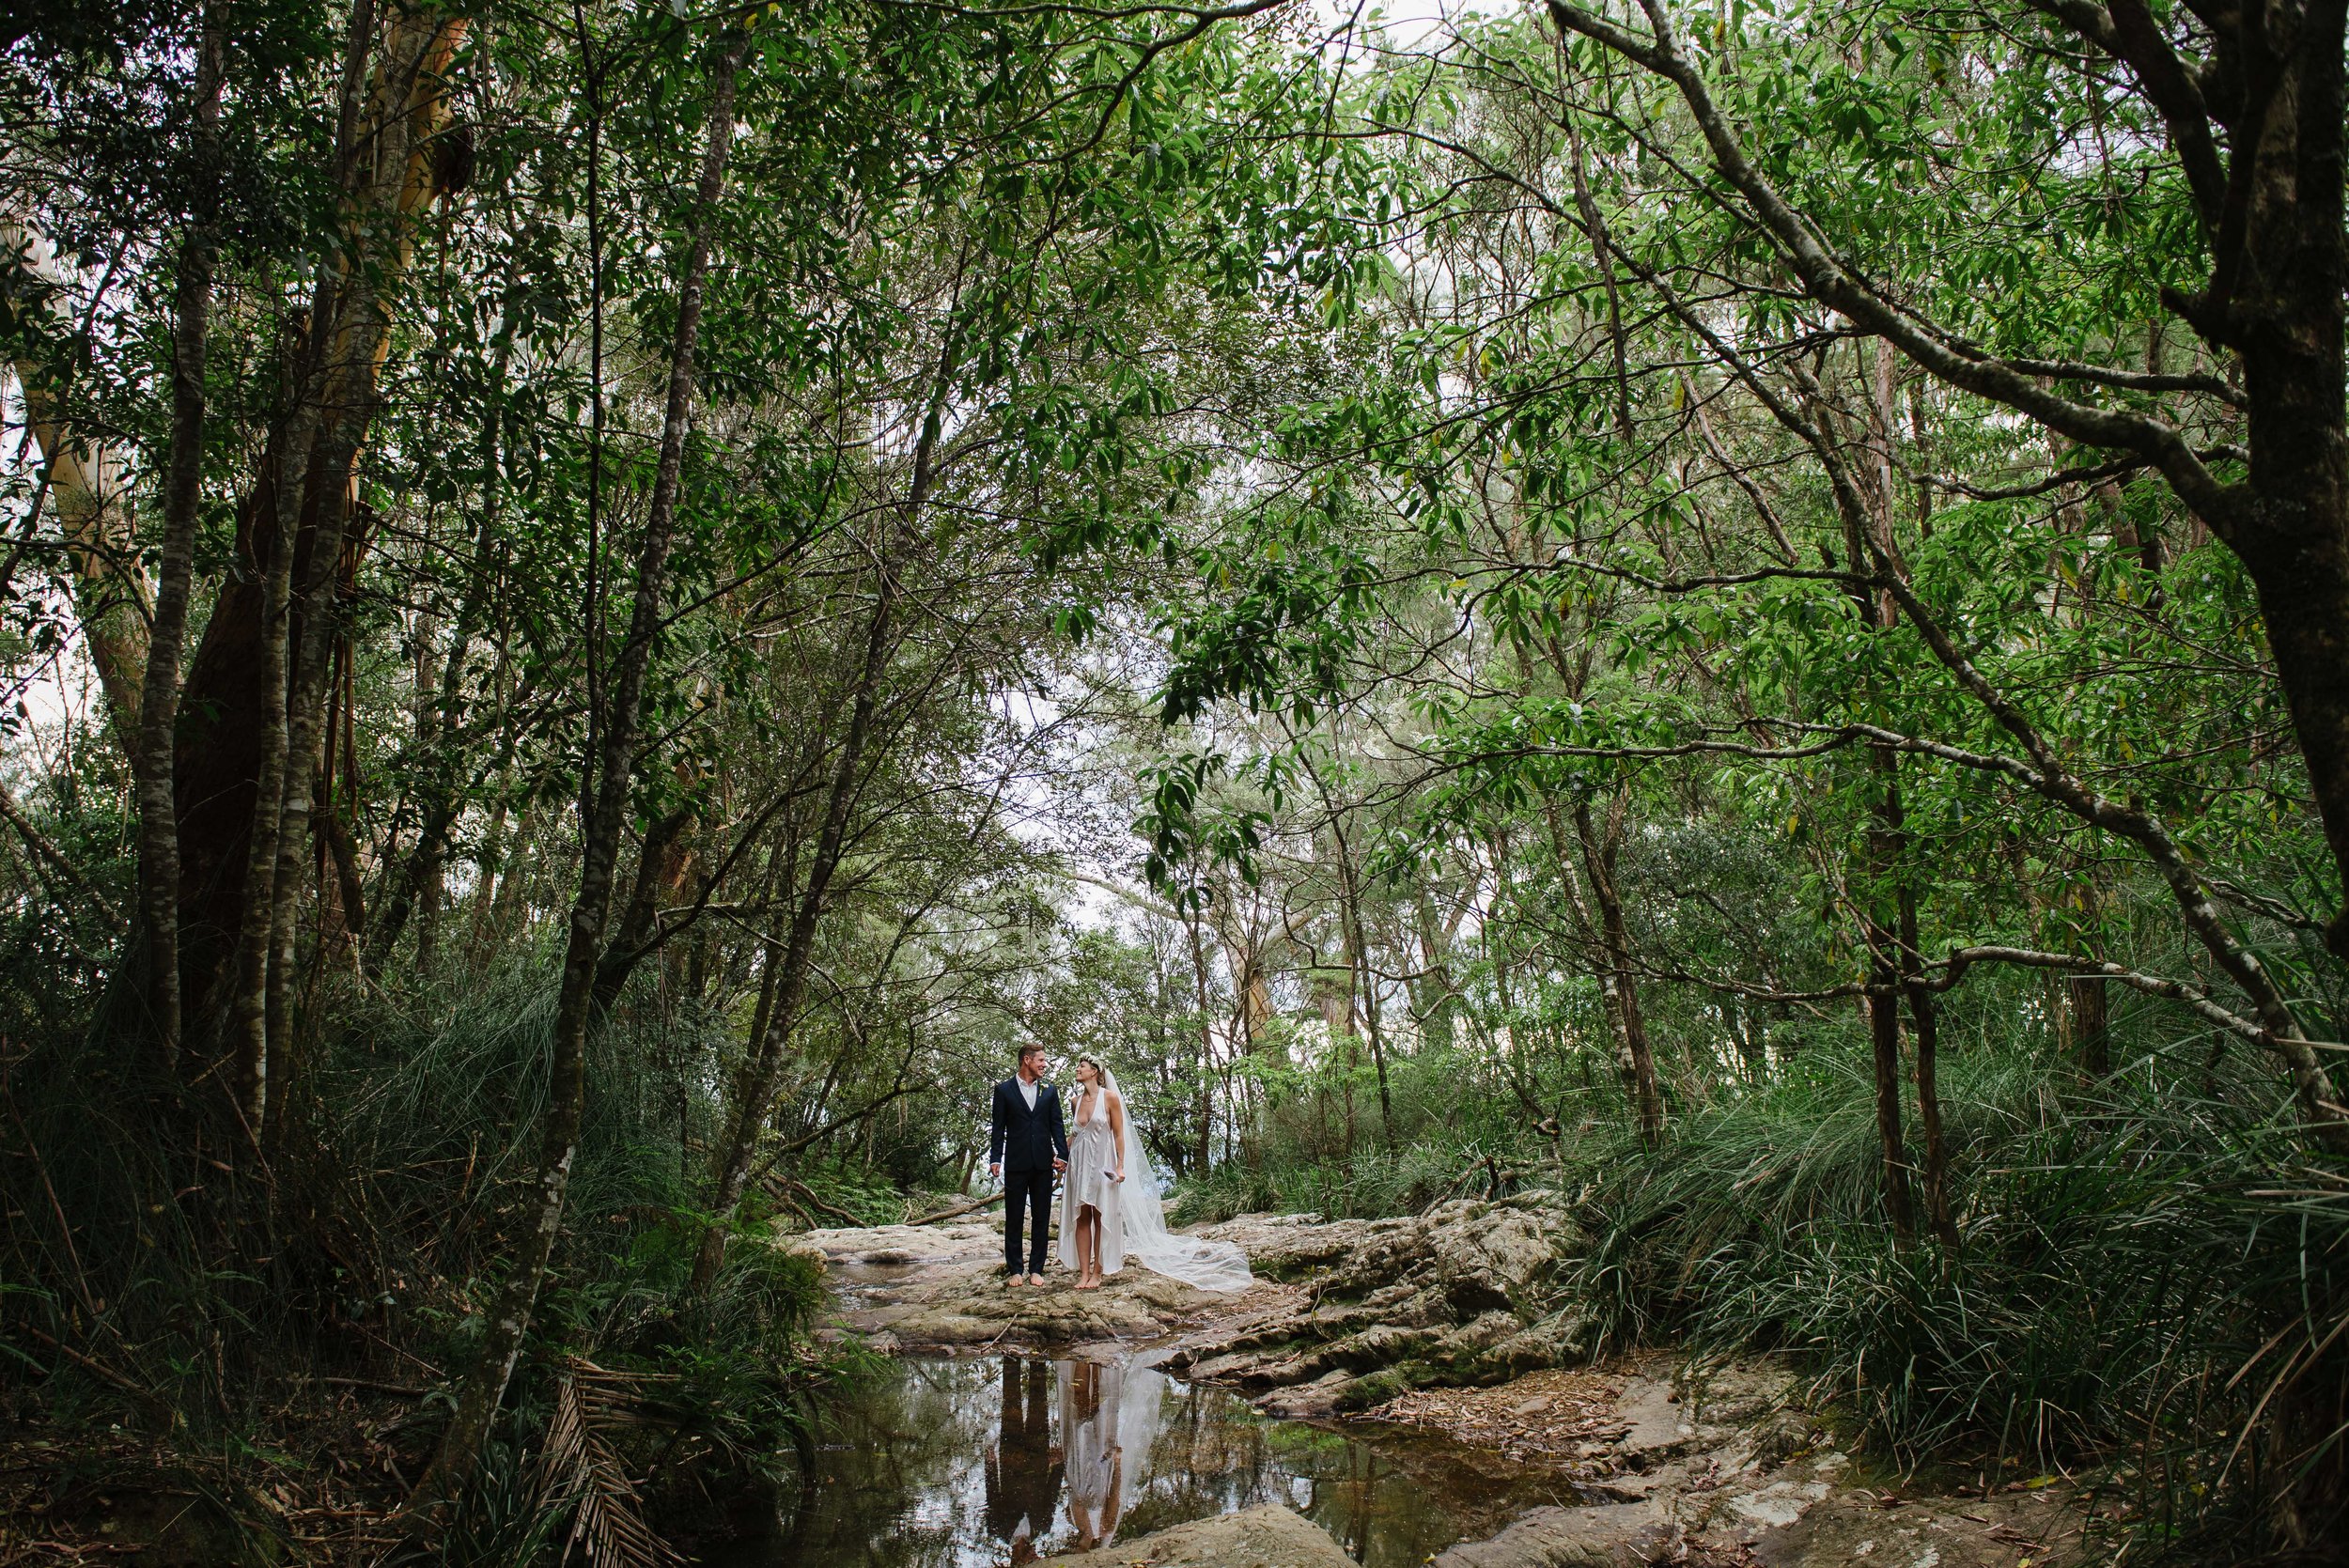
(1827, 280)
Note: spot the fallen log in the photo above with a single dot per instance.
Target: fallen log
(959, 1211)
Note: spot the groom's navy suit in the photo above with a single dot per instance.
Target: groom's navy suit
(1025, 1142)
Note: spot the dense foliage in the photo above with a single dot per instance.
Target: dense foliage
(1733, 613)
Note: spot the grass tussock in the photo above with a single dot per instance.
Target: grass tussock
(2151, 1286)
(387, 1220)
(2153, 1282)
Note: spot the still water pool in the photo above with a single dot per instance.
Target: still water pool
(980, 1462)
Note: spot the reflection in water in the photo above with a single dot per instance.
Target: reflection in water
(1023, 1465)
(976, 1463)
(1089, 1405)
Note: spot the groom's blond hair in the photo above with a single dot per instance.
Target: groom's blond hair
(1032, 1047)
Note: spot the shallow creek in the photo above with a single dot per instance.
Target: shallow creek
(980, 1461)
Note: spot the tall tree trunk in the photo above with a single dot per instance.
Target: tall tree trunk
(661, 870)
(235, 702)
(605, 802)
(1925, 1025)
(430, 722)
(1202, 1130)
(754, 1088)
(1888, 977)
(1359, 982)
(417, 51)
(2090, 1005)
(248, 997)
(1598, 859)
(86, 483)
(183, 482)
(2286, 318)
(1883, 1038)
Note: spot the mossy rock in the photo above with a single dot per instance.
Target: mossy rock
(1376, 1388)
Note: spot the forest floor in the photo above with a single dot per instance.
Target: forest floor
(1435, 1325)
(325, 1483)
(1438, 1323)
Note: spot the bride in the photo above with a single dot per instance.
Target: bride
(1111, 1209)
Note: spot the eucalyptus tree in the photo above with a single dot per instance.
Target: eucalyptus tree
(1792, 549)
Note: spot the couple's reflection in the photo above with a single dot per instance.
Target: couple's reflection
(1089, 1394)
(1025, 1467)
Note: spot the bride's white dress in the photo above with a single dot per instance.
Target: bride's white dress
(1092, 1158)
(1133, 1217)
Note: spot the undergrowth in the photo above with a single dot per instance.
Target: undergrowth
(2147, 1272)
(386, 1224)
(2151, 1286)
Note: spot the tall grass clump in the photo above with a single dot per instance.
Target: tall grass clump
(385, 1223)
(2152, 1277)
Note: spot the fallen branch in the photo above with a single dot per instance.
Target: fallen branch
(796, 1194)
(957, 1211)
(97, 1369)
(373, 1385)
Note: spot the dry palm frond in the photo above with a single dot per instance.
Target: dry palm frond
(579, 1467)
(609, 1398)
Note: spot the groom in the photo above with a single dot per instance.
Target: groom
(1026, 1146)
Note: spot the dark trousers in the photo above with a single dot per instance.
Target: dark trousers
(1026, 1194)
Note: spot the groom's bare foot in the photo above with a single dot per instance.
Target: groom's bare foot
(1036, 1279)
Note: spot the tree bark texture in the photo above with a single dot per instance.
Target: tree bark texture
(661, 869)
(1925, 1030)
(2089, 1000)
(243, 689)
(1884, 1040)
(1202, 1129)
(85, 482)
(1617, 984)
(183, 479)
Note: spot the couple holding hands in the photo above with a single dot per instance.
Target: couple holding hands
(1108, 1189)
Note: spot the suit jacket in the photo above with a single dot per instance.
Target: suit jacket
(1024, 1140)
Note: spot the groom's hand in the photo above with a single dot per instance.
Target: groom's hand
(1059, 1164)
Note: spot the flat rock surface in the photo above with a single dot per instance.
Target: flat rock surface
(1451, 1324)
(1267, 1537)
(905, 1245)
(941, 1287)
(1463, 1295)
(1721, 1469)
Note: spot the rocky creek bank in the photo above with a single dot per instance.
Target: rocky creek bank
(1455, 1322)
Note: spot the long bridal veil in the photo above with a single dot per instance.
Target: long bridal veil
(1216, 1265)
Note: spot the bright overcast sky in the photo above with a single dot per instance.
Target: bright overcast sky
(1406, 21)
